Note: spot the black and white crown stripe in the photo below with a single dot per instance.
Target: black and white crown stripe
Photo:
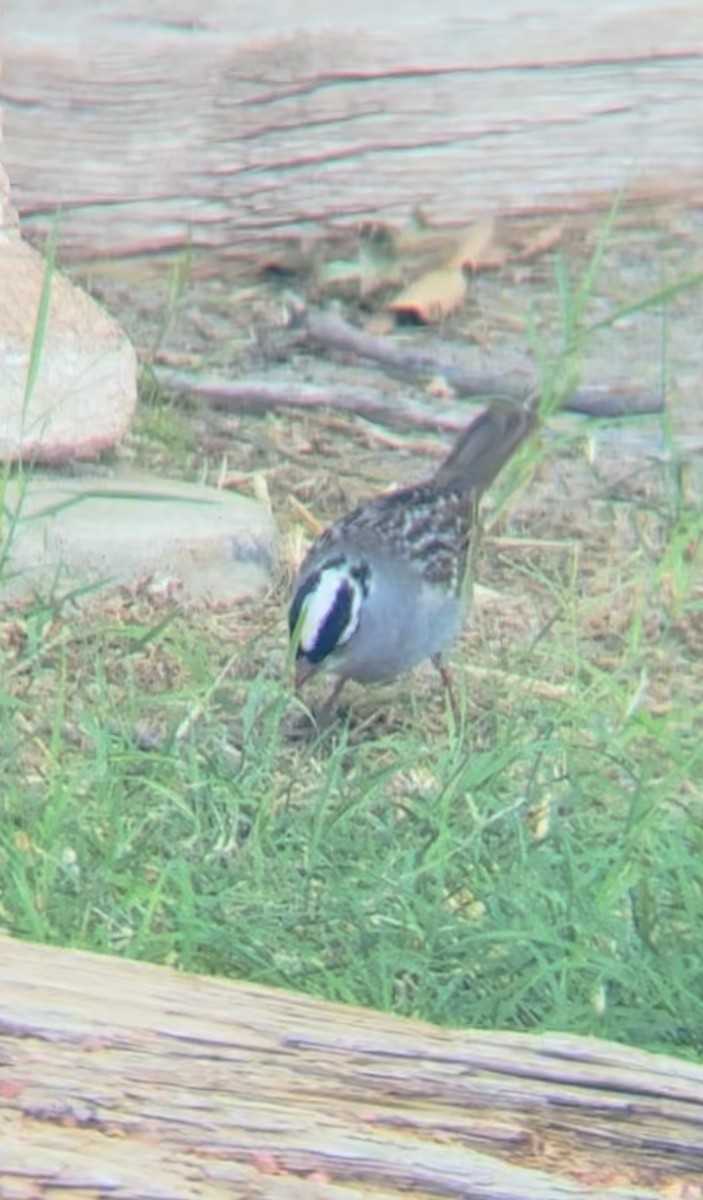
(326, 609)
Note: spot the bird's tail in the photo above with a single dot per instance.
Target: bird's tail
(484, 447)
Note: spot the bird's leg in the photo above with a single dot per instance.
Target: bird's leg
(447, 678)
(327, 709)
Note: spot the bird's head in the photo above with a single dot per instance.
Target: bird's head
(325, 613)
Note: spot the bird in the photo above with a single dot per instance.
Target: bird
(389, 584)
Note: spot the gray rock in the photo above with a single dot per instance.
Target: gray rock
(191, 541)
(85, 390)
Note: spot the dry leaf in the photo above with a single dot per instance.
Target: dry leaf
(432, 296)
(477, 248)
(177, 360)
(291, 258)
(310, 522)
(267, 1163)
(419, 238)
(440, 389)
(237, 481)
(543, 241)
(261, 490)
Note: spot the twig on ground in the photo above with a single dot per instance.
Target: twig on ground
(262, 397)
(332, 332)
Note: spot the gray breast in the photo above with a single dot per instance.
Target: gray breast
(404, 620)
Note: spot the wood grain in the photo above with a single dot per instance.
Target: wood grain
(236, 125)
(129, 1080)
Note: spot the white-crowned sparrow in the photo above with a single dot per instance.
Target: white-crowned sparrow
(389, 584)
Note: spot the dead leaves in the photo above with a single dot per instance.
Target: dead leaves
(483, 246)
(441, 291)
(478, 248)
(542, 241)
(432, 296)
(429, 270)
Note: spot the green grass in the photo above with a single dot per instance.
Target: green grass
(540, 867)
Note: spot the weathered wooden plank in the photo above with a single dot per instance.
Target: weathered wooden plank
(130, 1080)
(154, 126)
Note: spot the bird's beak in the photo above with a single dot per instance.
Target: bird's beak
(303, 671)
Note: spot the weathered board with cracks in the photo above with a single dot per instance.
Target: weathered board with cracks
(232, 124)
(133, 1081)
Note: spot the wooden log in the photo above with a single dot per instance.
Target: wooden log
(128, 1080)
(238, 124)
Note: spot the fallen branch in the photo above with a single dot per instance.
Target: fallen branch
(331, 332)
(255, 396)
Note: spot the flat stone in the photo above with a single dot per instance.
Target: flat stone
(85, 391)
(187, 540)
